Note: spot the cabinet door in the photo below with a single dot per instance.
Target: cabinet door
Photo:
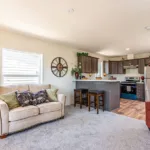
(81, 61)
(126, 63)
(109, 67)
(120, 67)
(140, 91)
(147, 61)
(141, 66)
(114, 67)
(94, 65)
(88, 65)
(134, 62)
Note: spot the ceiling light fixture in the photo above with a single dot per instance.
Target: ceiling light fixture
(127, 49)
(71, 10)
(147, 27)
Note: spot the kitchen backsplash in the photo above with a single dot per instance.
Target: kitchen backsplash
(129, 72)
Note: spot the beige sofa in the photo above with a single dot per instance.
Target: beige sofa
(24, 117)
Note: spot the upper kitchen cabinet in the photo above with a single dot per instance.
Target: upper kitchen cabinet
(94, 65)
(88, 64)
(113, 67)
(120, 67)
(133, 62)
(147, 61)
(141, 66)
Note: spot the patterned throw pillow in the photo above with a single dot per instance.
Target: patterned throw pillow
(10, 99)
(52, 94)
(24, 98)
(39, 98)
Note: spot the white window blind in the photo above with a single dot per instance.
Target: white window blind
(21, 67)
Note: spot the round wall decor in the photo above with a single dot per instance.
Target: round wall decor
(59, 67)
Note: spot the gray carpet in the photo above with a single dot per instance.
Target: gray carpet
(83, 130)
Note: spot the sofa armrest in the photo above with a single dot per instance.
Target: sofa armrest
(62, 99)
(4, 117)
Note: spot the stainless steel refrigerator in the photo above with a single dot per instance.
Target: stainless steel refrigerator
(147, 83)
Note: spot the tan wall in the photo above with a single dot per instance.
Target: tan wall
(13, 40)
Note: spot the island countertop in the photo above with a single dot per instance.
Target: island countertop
(99, 80)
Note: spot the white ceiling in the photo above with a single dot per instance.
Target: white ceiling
(105, 26)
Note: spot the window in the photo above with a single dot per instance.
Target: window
(21, 67)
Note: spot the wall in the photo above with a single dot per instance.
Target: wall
(50, 50)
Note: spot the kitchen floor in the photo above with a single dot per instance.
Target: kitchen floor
(131, 108)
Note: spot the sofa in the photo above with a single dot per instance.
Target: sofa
(21, 118)
(147, 107)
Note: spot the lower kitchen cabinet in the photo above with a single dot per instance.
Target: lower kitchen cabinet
(140, 93)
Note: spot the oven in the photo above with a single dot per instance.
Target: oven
(128, 88)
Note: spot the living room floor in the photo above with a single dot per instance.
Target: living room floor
(83, 130)
(131, 108)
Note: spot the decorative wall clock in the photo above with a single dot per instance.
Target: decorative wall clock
(59, 67)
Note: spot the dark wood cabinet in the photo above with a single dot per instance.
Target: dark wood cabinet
(120, 68)
(113, 67)
(141, 66)
(94, 65)
(133, 62)
(140, 91)
(147, 61)
(88, 64)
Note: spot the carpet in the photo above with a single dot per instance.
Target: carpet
(83, 130)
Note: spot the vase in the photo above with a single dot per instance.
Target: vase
(76, 75)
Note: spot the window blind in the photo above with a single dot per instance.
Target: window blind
(21, 67)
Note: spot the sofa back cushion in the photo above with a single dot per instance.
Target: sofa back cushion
(38, 87)
(10, 99)
(8, 89)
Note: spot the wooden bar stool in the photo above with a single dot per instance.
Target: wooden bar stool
(98, 99)
(80, 97)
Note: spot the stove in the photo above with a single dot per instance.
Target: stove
(128, 88)
(131, 80)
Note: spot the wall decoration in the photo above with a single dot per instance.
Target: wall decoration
(59, 67)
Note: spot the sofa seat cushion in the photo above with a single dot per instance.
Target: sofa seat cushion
(23, 112)
(49, 107)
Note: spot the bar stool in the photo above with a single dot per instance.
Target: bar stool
(98, 99)
(80, 97)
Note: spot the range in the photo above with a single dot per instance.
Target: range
(128, 88)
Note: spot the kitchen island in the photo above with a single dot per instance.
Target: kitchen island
(110, 87)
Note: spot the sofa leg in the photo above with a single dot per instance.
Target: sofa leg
(62, 117)
(3, 136)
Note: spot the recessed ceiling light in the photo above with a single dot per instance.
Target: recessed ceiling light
(71, 10)
(147, 27)
(127, 49)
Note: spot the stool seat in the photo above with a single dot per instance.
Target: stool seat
(96, 91)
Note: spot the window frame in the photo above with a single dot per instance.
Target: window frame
(21, 51)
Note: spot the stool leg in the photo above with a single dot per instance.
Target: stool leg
(80, 100)
(89, 101)
(103, 102)
(97, 103)
(86, 99)
(74, 99)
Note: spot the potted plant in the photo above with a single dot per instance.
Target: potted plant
(76, 71)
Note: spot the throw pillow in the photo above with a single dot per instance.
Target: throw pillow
(52, 94)
(39, 98)
(10, 99)
(24, 98)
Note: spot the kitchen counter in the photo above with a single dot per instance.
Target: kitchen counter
(110, 87)
(99, 80)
